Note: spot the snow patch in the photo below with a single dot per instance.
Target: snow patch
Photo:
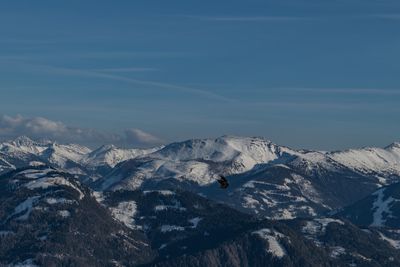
(176, 206)
(98, 196)
(125, 212)
(337, 251)
(274, 247)
(381, 207)
(394, 243)
(161, 192)
(26, 263)
(195, 221)
(64, 213)
(53, 201)
(46, 182)
(35, 174)
(318, 226)
(36, 163)
(307, 188)
(170, 228)
(26, 207)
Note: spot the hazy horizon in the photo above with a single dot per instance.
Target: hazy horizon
(141, 139)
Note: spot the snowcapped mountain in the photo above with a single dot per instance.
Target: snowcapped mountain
(75, 158)
(200, 161)
(163, 206)
(109, 155)
(23, 145)
(242, 152)
(265, 179)
(24, 151)
(381, 161)
(61, 155)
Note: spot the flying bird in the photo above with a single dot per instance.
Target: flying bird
(223, 182)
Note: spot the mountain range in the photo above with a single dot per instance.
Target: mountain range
(163, 207)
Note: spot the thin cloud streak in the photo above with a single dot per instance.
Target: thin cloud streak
(375, 91)
(126, 69)
(249, 19)
(262, 19)
(327, 106)
(88, 73)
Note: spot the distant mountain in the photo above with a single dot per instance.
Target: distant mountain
(380, 161)
(109, 155)
(24, 152)
(75, 158)
(265, 179)
(202, 160)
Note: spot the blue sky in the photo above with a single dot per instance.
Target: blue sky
(308, 74)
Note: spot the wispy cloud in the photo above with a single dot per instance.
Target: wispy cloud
(321, 17)
(133, 69)
(322, 90)
(153, 84)
(249, 18)
(374, 91)
(39, 128)
(103, 55)
(325, 106)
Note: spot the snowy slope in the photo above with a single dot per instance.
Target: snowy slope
(379, 209)
(243, 153)
(24, 150)
(384, 161)
(75, 158)
(22, 145)
(265, 179)
(109, 155)
(303, 183)
(62, 154)
(199, 161)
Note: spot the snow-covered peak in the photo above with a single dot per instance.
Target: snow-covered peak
(371, 160)
(225, 148)
(393, 146)
(197, 160)
(110, 155)
(105, 148)
(23, 141)
(61, 154)
(233, 154)
(22, 145)
(22, 150)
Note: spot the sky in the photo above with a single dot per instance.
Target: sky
(306, 74)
